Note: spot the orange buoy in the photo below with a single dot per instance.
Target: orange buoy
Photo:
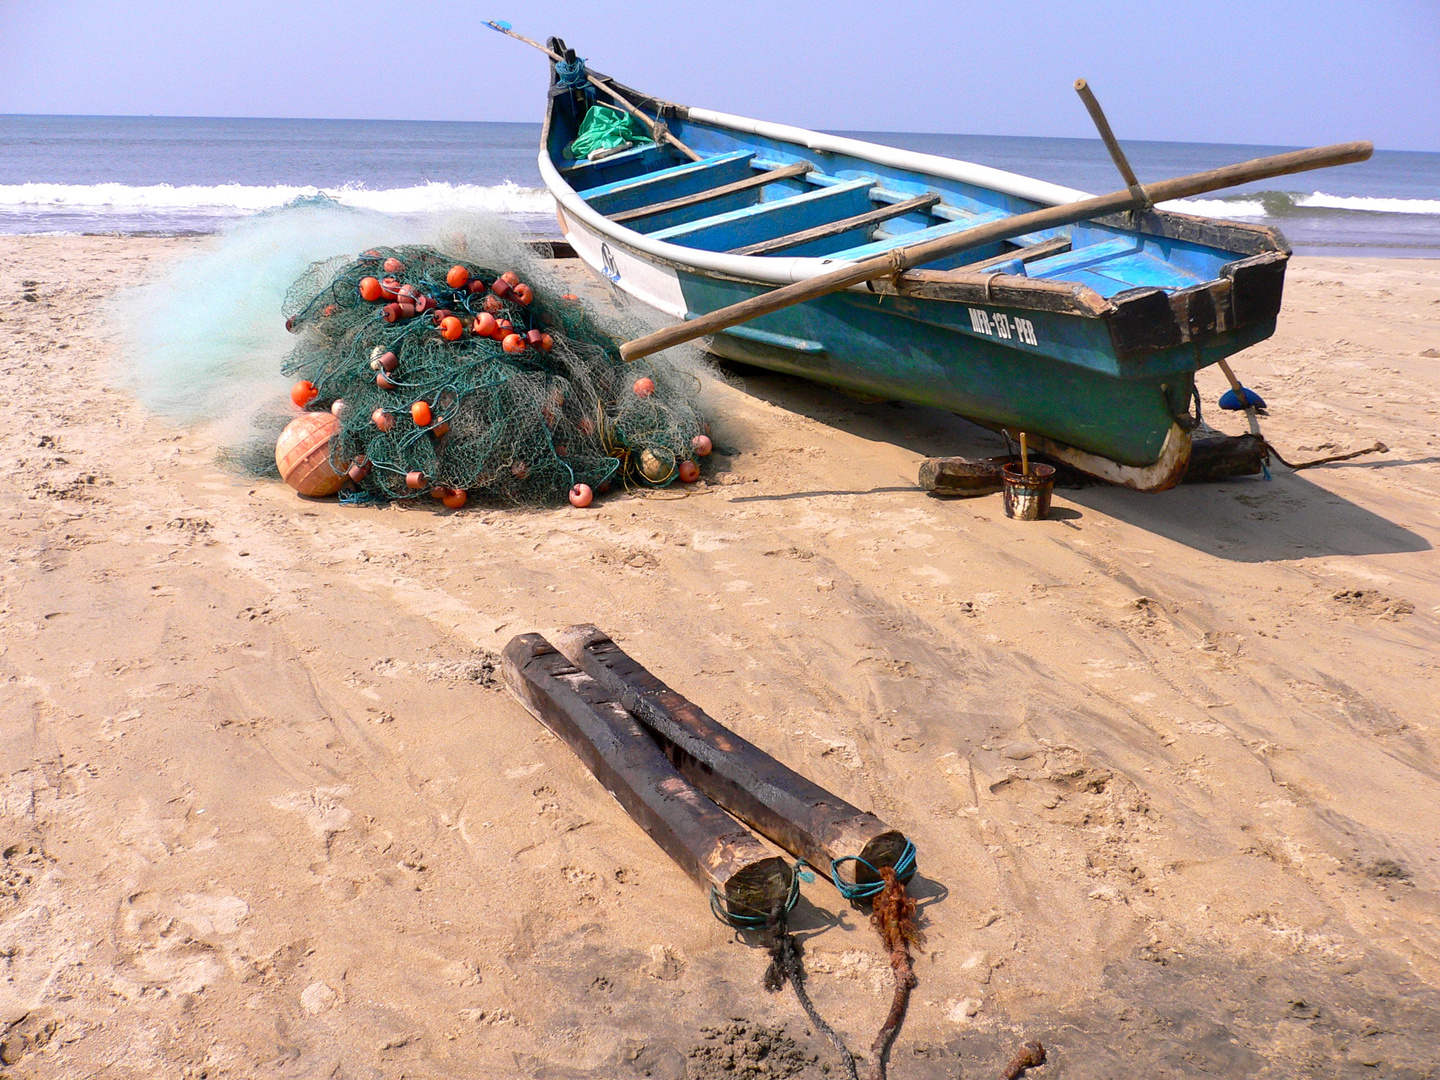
(458, 277)
(455, 499)
(302, 454)
(420, 413)
(644, 387)
(303, 392)
(370, 289)
(451, 328)
(513, 343)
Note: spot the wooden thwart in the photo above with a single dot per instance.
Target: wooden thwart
(838, 228)
(779, 803)
(1027, 254)
(759, 180)
(714, 849)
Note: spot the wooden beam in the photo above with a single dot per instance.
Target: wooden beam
(838, 228)
(962, 476)
(1029, 253)
(759, 180)
(709, 845)
(800, 816)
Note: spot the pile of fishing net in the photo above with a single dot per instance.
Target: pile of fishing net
(448, 377)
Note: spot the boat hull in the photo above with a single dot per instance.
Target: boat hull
(1086, 339)
(1068, 387)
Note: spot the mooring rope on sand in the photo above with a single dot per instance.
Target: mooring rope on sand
(893, 916)
(785, 966)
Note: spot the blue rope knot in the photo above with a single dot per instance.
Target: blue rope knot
(904, 870)
(753, 922)
(572, 76)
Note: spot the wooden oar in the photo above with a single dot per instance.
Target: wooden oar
(901, 259)
(1097, 114)
(657, 132)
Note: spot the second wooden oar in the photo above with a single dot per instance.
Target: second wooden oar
(901, 259)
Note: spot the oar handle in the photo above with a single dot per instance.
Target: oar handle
(901, 259)
(1097, 114)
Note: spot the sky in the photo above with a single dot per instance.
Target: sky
(1270, 72)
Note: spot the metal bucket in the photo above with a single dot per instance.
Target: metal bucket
(1028, 497)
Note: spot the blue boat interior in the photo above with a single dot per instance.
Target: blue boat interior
(749, 195)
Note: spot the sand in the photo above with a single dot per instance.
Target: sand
(1172, 762)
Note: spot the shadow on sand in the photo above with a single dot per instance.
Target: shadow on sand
(1243, 520)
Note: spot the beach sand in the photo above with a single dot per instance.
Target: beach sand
(1172, 762)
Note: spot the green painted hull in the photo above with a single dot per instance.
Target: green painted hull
(1070, 387)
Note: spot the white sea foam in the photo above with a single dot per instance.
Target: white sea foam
(1215, 208)
(506, 198)
(1320, 200)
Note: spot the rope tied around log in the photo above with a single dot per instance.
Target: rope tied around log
(893, 916)
(786, 966)
(904, 869)
(760, 918)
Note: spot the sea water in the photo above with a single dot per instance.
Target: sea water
(173, 176)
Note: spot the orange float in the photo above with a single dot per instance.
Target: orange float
(302, 454)
(303, 392)
(370, 289)
(420, 413)
(458, 277)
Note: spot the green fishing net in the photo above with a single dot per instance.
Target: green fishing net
(519, 425)
(605, 128)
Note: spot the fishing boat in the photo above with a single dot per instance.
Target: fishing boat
(1086, 335)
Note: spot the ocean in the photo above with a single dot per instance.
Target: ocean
(184, 175)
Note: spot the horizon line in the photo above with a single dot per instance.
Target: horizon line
(536, 123)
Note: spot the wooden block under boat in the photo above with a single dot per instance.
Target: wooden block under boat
(799, 815)
(962, 476)
(708, 844)
(1224, 456)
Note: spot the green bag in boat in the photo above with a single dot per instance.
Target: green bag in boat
(606, 129)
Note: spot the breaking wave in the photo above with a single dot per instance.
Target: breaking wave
(235, 199)
(1282, 204)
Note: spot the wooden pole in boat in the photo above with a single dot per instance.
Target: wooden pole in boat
(893, 263)
(1092, 106)
(1024, 456)
(656, 132)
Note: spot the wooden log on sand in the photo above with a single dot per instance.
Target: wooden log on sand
(965, 477)
(1223, 457)
(708, 844)
(799, 815)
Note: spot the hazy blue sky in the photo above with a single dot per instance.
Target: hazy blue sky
(1259, 71)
